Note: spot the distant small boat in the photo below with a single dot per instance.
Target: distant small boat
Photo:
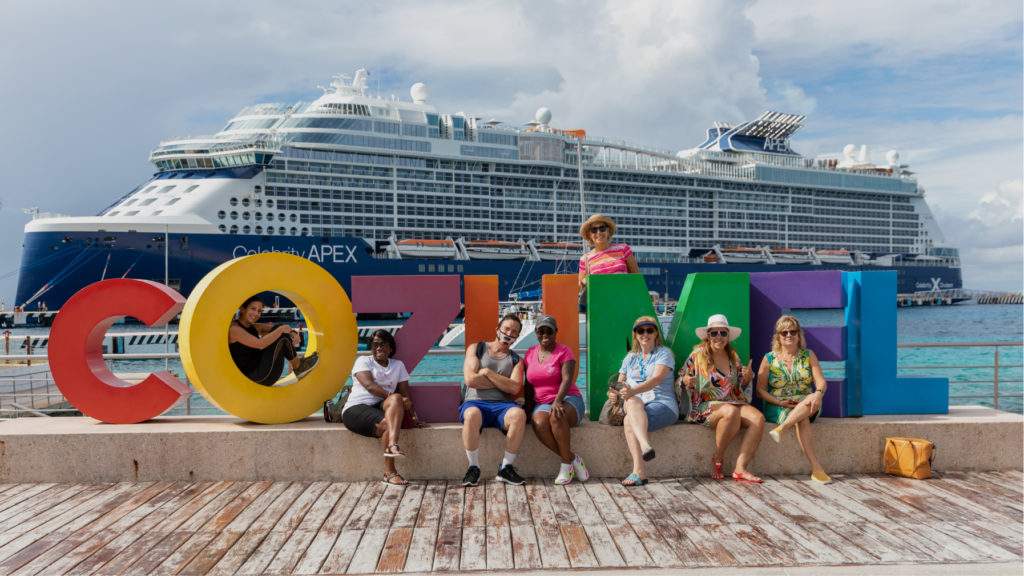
(558, 250)
(495, 250)
(424, 248)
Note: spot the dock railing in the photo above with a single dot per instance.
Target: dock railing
(35, 394)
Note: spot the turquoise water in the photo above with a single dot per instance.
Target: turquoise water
(963, 323)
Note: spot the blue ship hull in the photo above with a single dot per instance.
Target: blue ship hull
(56, 265)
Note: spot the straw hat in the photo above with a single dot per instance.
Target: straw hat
(595, 219)
(718, 321)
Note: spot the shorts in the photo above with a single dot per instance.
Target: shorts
(493, 412)
(659, 416)
(363, 418)
(575, 401)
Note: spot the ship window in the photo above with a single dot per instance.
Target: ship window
(270, 230)
(149, 189)
(131, 213)
(294, 231)
(259, 229)
(114, 213)
(280, 230)
(223, 228)
(245, 215)
(258, 216)
(292, 217)
(245, 202)
(259, 202)
(191, 188)
(147, 201)
(221, 214)
(157, 212)
(234, 215)
(270, 203)
(234, 229)
(130, 201)
(165, 189)
(305, 231)
(245, 229)
(280, 216)
(258, 189)
(172, 200)
(233, 201)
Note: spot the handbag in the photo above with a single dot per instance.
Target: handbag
(908, 457)
(613, 412)
(335, 406)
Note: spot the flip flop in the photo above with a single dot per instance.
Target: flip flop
(395, 479)
(393, 451)
(634, 480)
(746, 478)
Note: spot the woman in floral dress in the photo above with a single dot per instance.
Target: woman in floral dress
(791, 384)
(719, 388)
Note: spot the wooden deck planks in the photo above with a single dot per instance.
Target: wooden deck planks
(324, 527)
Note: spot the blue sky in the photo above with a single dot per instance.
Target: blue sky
(88, 89)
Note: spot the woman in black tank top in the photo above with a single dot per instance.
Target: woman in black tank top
(260, 349)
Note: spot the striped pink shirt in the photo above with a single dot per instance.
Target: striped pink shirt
(611, 260)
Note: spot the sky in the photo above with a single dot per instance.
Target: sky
(89, 89)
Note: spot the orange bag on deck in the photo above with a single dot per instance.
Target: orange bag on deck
(908, 457)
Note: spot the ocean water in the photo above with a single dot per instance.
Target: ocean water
(970, 369)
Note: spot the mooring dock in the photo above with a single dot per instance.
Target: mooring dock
(365, 527)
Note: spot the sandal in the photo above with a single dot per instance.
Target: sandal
(716, 473)
(395, 479)
(393, 451)
(634, 479)
(747, 478)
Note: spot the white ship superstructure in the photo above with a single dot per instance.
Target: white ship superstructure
(415, 183)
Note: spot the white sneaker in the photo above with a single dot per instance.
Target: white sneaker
(580, 469)
(565, 476)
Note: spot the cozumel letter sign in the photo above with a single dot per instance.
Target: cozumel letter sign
(865, 343)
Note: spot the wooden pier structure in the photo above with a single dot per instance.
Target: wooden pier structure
(269, 527)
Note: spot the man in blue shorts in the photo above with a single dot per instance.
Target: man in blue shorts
(493, 377)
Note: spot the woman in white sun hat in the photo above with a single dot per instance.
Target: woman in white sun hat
(720, 390)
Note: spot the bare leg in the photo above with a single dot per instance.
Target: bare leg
(471, 428)
(634, 447)
(542, 427)
(638, 421)
(560, 430)
(382, 433)
(515, 429)
(804, 437)
(394, 411)
(751, 419)
(799, 413)
(725, 419)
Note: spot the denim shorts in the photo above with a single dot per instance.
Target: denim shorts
(577, 403)
(659, 416)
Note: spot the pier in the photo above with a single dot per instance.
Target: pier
(999, 298)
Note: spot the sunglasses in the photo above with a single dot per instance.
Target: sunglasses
(646, 330)
(378, 344)
(599, 228)
(718, 333)
(544, 331)
(507, 338)
(788, 333)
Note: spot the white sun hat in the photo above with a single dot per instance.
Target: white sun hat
(719, 321)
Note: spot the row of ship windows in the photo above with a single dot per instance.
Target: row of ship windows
(258, 229)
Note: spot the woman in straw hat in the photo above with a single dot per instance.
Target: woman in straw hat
(604, 257)
(791, 385)
(720, 391)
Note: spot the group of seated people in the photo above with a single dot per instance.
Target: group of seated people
(712, 387)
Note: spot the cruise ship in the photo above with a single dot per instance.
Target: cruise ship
(362, 185)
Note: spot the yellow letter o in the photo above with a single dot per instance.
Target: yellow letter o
(210, 308)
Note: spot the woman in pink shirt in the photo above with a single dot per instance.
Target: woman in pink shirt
(604, 257)
(550, 368)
